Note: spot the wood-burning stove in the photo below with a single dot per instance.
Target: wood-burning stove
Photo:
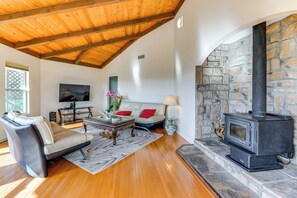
(257, 137)
(255, 142)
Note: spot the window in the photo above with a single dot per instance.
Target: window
(16, 88)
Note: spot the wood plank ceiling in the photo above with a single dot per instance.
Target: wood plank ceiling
(88, 32)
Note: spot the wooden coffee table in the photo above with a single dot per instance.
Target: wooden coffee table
(103, 123)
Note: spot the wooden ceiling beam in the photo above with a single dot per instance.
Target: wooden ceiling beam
(72, 62)
(81, 56)
(181, 2)
(132, 41)
(42, 40)
(84, 47)
(7, 42)
(31, 52)
(54, 9)
(12, 45)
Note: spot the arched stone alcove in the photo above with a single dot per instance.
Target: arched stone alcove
(224, 80)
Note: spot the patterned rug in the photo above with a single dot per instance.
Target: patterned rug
(101, 153)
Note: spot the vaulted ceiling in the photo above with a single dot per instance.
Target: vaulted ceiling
(88, 32)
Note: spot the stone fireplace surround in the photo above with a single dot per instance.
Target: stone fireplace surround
(224, 81)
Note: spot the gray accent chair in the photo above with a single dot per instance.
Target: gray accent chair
(27, 146)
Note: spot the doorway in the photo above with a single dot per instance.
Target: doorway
(113, 86)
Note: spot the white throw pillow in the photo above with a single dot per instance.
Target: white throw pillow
(44, 130)
(12, 115)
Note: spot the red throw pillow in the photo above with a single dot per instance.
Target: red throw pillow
(124, 113)
(147, 113)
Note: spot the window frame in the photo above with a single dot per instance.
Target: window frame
(25, 90)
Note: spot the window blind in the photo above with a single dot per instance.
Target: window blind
(16, 66)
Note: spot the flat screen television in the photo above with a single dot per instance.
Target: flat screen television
(70, 93)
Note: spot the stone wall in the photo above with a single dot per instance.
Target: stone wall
(223, 84)
(212, 85)
(240, 71)
(282, 68)
(224, 81)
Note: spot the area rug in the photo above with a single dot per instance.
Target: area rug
(101, 153)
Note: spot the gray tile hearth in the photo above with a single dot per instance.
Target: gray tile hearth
(222, 182)
(270, 176)
(275, 183)
(286, 188)
(228, 186)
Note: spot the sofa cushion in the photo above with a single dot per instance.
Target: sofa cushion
(147, 113)
(160, 108)
(131, 106)
(66, 139)
(137, 107)
(124, 113)
(151, 120)
(45, 132)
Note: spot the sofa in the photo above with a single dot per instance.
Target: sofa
(33, 141)
(156, 121)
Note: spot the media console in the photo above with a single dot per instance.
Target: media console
(70, 115)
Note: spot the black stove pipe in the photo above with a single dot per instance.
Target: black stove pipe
(259, 71)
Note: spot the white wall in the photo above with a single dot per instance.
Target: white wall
(207, 23)
(150, 79)
(53, 73)
(44, 79)
(9, 54)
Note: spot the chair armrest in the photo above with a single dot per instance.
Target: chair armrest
(56, 127)
(26, 146)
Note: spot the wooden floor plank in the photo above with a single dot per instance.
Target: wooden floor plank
(153, 171)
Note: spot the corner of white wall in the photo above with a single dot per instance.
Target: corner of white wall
(53, 73)
(12, 55)
(206, 24)
(150, 79)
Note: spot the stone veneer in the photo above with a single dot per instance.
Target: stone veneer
(224, 81)
(212, 91)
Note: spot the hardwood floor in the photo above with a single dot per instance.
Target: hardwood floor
(153, 171)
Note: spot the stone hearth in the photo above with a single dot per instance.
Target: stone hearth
(217, 178)
(272, 184)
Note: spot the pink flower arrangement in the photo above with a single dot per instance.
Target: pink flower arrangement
(110, 94)
(116, 101)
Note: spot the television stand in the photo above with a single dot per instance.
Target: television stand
(70, 115)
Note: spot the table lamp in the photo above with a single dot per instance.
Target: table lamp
(170, 101)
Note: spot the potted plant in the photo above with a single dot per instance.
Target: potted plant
(115, 103)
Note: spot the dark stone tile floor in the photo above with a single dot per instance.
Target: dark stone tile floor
(223, 183)
(285, 188)
(275, 183)
(289, 171)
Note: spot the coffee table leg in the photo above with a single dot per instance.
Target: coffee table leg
(132, 131)
(85, 127)
(114, 135)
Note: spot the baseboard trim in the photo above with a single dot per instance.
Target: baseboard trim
(189, 140)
